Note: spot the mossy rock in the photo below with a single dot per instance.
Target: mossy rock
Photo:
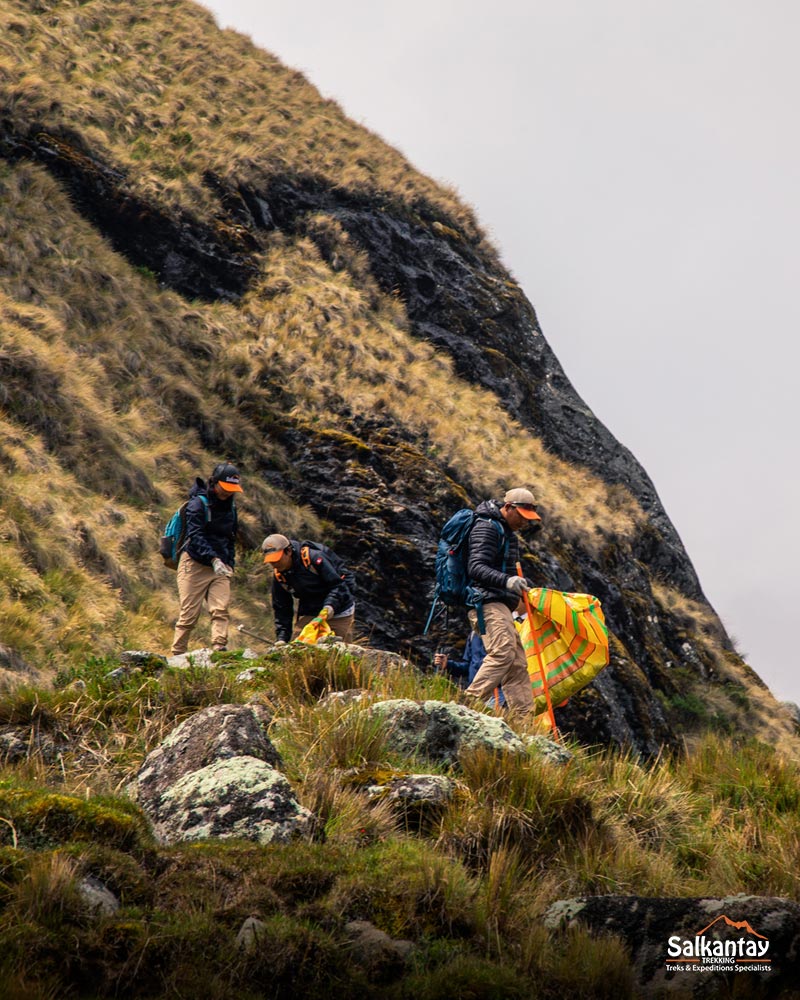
(43, 819)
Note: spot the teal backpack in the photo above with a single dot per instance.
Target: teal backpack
(173, 541)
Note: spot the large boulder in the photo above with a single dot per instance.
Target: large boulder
(216, 775)
(440, 730)
(703, 948)
(215, 733)
(237, 797)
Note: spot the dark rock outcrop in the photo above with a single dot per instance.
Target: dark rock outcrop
(665, 936)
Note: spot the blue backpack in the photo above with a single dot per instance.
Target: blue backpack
(173, 541)
(452, 581)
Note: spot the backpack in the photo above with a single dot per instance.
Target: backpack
(173, 541)
(452, 582)
(308, 552)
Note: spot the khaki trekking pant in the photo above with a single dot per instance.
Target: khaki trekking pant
(198, 583)
(505, 662)
(343, 627)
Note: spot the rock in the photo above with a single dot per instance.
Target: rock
(214, 776)
(349, 697)
(436, 789)
(216, 733)
(236, 797)
(99, 900)
(794, 713)
(194, 658)
(383, 957)
(250, 674)
(658, 932)
(440, 730)
(148, 662)
(12, 746)
(10, 659)
(419, 799)
(547, 749)
(250, 935)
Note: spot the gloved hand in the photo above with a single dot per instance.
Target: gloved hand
(220, 568)
(327, 612)
(517, 585)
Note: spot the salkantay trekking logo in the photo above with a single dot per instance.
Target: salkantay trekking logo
(703, 953)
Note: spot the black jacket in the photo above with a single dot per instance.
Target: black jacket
(325, 580)
(493, 556)
(211, 537)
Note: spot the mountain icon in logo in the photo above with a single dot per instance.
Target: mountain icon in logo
(739, 925)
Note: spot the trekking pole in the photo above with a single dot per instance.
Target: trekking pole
(535, 638)
(254, 635)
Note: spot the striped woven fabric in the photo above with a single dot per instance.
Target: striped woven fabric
(571, 639)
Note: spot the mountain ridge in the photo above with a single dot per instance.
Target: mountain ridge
(324, 315)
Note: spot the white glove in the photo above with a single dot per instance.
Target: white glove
(220, 568)
(327, 612)
(517, 585)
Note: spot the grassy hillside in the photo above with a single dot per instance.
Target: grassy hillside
(185, 277)
(126, 390)
(467, 884)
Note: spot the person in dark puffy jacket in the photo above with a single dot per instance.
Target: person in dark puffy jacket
(491, 567)
(208, 559)
(317, 578)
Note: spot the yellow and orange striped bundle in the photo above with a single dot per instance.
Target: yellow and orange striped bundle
(569, 638)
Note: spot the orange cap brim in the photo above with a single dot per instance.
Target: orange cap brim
(231, 487)
(531, 515)
(271, 557)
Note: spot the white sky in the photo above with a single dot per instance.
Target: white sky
(636, 162)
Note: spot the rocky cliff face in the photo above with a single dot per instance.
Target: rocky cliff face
(378, 485)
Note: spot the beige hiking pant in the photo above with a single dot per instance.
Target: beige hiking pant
(198, 583)
(343, 627)
(505, 662)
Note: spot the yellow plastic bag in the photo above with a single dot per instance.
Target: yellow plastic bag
(316, 629)
(571, 638)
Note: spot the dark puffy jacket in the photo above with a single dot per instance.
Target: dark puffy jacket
(326, 580)
(211, 537)
(490, 562)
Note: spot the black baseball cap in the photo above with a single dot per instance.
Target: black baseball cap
(227, 476)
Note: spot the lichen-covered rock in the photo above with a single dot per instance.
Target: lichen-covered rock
(655, 930)
(417, 799)
(194, 658)
(239, 797)
(547, 749)
(218, 732)
(435, 788)
(440, 730)
(98, 899)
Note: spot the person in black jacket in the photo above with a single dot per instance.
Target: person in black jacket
(319, 580)
(491, 567)
(208, 558)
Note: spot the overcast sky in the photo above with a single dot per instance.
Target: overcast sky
(636, 162)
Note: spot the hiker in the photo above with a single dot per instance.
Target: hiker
(319, 580)
(207, 561)
(493, 555)
(466, 667)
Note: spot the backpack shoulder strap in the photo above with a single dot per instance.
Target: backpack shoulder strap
(204, 502)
